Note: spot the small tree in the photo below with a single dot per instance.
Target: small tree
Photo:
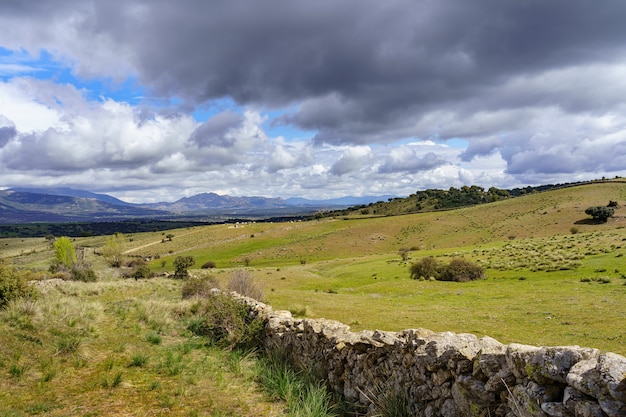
(601, 213)
(64, 254)
(113, 250)
(181, 264)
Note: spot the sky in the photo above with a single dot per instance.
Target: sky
(154, 100)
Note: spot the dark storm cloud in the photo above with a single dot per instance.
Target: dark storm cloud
(385, 61)
(536, 83)
(365, 68)
(214, 132)
(7, 131)
(480, 148)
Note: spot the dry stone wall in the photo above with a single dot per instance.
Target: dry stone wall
(447, 374)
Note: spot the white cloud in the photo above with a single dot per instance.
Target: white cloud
(352, 159)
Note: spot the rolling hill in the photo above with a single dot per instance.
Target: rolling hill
(554, 276)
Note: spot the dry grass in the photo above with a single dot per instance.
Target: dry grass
(82, 349)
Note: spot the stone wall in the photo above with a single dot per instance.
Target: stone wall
(447, 374)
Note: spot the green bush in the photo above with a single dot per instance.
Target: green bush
(199, 286)
(458, 269)
(181, 264)
(142, 272)
(226, 322)
(461, 270)
(12, 286)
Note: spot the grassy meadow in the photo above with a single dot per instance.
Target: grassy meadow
(118, 348)
(553, 277)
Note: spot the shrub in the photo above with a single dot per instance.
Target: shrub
(243, 283)
(113, 250)
(209, 265)
(135, 262)
(181, 264)
(226, 322)
(425, 268)
(142, 272)
(461, 270)
(12, 286)
(83, 274)
(199, 286)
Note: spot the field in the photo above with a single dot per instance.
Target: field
(554, 277)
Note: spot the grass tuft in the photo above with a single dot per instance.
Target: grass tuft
(304, 396)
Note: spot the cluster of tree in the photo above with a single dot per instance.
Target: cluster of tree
(459, 270)
(82, 229)
(459, 197)
(433, 199)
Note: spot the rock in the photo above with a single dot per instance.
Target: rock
(518, 358)
(556, 410)
(612, 370)
(583, 375)
(554, 363)
(492, 359)
(588, 409)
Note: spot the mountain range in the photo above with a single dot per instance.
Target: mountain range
(28, 205)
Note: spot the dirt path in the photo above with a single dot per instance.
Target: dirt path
(152, 243)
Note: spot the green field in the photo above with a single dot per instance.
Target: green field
(553, 276)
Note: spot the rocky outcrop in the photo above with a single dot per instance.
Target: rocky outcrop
(450, 375)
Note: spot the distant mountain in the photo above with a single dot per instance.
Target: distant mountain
(70, 192)
(31, 204)
(211, 201)
(25, 207)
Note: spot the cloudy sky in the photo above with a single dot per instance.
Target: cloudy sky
(153, 100)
